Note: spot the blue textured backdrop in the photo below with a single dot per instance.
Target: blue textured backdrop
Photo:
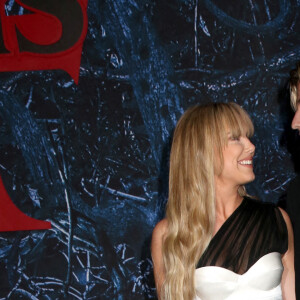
(92, 158)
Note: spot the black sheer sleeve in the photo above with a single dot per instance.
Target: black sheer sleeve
(253, 230)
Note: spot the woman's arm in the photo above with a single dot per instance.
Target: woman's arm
(288, 276)
(156, 253)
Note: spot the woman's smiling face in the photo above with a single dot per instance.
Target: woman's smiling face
(237, 161)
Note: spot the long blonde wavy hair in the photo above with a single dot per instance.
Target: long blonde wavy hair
(199, 137)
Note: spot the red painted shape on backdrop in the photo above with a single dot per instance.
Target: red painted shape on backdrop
(39, 40)
(13, 219)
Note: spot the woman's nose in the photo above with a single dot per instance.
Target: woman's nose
(250, 147)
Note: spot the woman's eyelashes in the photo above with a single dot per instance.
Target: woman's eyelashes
(234, 138)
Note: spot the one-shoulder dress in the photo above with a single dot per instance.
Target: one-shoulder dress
(243, 259)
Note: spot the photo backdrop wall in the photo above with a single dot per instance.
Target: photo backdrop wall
(90, 93)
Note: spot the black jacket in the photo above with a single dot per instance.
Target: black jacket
(293, 209)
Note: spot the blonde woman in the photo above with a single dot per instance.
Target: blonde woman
(216, 242)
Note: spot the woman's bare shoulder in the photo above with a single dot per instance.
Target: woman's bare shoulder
(159, 230)
(162, 225)
(158, 236)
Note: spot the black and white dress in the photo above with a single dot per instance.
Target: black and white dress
(243, 259)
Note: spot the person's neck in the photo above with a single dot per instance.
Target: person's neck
(227, 200)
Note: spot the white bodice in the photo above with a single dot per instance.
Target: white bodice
(261, 282)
